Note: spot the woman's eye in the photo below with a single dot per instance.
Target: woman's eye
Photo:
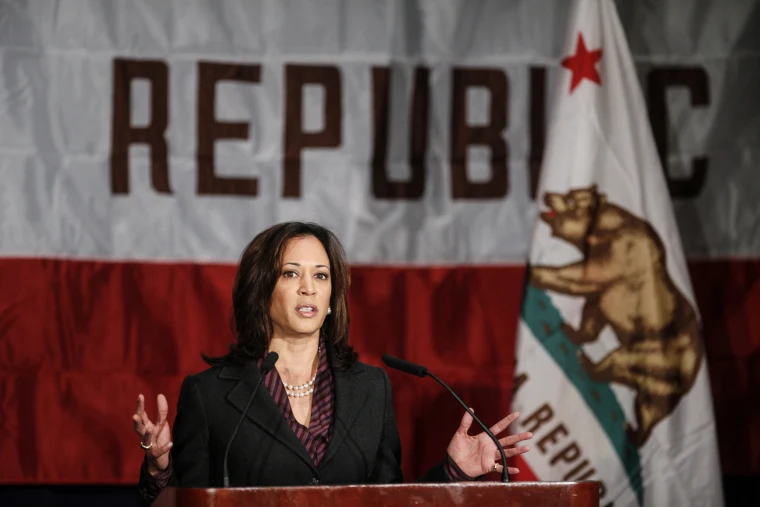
(323, 276)
(289, 274)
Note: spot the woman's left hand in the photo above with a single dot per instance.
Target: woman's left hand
(477, 455)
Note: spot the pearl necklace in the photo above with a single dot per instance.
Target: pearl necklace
(293, 394)
(309, 384)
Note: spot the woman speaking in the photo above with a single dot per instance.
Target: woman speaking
(320, 416)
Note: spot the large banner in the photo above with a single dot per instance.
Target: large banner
(148, 130)
(143, 144)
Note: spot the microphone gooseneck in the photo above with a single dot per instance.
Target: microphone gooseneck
(421, 371)
(266, 365)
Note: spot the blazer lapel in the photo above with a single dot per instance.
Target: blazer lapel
(263, 411)
(350, 395)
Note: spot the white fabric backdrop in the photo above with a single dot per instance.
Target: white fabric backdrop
(56, 107)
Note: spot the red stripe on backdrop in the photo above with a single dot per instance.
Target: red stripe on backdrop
(80, 340)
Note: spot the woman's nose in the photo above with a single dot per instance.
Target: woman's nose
(307, 286)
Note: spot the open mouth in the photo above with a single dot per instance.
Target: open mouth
(307, 310)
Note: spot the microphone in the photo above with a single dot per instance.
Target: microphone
(266, 365)
(421, 371)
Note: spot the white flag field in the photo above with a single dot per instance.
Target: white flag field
(611, 370)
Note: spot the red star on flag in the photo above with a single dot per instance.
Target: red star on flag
(583, 64)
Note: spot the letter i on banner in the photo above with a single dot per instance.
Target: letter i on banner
(611, 372)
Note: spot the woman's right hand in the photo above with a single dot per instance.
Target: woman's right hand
(155, 436)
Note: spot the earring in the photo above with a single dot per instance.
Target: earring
(329, 310)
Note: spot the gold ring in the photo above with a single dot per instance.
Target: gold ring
(494, 466)
(146, 447)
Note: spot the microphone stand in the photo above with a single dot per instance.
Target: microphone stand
(421, 371)
(504, 472)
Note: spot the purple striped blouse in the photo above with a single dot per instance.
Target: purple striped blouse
(316, 437)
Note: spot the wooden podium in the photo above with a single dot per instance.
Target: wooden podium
(515, 494)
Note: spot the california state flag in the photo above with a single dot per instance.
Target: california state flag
(611, 373)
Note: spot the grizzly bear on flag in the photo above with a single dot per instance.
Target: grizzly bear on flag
(625, 283)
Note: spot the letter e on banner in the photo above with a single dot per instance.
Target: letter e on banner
(209, 129)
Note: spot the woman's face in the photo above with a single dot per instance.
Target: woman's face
(302, 294)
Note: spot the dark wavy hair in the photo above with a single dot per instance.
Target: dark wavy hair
(257, 275)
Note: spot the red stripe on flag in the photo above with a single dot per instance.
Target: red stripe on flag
(80, 339)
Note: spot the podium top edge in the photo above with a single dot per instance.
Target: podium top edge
(413, 485)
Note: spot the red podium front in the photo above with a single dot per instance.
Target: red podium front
(515, 494)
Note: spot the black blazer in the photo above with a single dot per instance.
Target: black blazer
(364, 447)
